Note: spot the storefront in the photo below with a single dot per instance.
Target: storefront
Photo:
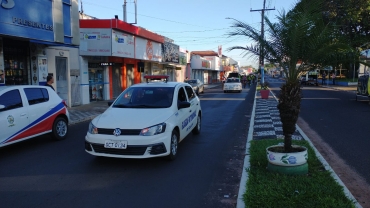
(123, 46)
(16, 61)
(34, 45)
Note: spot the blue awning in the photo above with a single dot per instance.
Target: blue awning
(53, 43)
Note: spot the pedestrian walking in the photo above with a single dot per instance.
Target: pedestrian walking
(333, 77)
(244, 81)
(323, 80)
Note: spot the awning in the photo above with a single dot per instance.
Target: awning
(53, 43)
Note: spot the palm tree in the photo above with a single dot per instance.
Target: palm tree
(299, 41)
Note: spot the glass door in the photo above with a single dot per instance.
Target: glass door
(96, 84)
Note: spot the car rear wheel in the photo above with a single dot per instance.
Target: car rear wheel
(197, 127)
(60, 128)
(173, 145)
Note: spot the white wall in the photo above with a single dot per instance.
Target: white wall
(84, 74)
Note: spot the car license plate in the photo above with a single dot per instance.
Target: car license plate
(115, 144)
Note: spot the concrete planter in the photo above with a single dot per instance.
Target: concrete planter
(294, 163)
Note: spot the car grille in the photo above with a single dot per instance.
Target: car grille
(130, 150)
(123, 131)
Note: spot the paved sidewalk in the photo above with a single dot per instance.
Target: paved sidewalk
(89, 111)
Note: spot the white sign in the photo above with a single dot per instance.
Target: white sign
(123, 45)
(148, 50)
(95, 42)
(43, 69)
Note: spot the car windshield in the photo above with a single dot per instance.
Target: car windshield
(145, 97)
(232, 80)
(191, 81)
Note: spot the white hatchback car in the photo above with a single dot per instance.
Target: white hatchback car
(146, 120)
(27, 111)
(232, 84)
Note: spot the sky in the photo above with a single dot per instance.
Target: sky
(194, 25)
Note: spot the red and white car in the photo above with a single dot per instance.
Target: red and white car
(27, 111)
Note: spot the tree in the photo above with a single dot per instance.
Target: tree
(299, 41)
(353, 23)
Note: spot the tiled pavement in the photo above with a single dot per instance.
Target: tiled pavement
(267, 124)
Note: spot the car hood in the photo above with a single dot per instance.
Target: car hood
(132, 118)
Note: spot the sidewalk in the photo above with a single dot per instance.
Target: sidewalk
(89, 111)
(265, 123)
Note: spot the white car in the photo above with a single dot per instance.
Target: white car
(146, 120)
(27, 111)
(232, 84)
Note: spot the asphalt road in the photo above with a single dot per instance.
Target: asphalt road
(340, 121)
(46, 173)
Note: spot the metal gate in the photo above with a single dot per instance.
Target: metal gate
(130, 74)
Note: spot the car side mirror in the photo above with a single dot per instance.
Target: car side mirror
(183, 104)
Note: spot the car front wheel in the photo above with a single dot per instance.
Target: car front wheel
(197, 127)
(60, 128)
(173, 145)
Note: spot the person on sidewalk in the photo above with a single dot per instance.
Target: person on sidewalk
(323, 80)
(333, 77)
(50, 81)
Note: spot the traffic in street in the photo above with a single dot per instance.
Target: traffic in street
(206, 173)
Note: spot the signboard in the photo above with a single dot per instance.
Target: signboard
(29, 19)
(43, 69)
(147, 50)
(123, 45)
(170, 52)
(95, 42)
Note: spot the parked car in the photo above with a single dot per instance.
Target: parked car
(232, 84)
(197, 85)
(27, 111)
(146, 120)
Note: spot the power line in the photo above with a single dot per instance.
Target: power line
(145, 15)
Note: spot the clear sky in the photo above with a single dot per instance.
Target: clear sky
(195, 25)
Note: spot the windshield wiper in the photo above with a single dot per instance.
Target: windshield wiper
(121, 106)
(143, 106)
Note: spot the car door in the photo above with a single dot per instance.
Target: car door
(39, 106)
(13, 117)
(194, 104)
(183, 114)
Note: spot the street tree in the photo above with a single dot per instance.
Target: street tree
(299, 41)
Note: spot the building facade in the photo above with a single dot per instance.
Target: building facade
(36, 44)
(115, 55)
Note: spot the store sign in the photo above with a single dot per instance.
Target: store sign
(24, 19)
(123, 45)
(106, 64)
(148, 50)
(95, 42)
(206, 64)
(170, 52)
(8, 4)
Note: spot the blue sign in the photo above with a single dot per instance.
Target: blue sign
(29, 19)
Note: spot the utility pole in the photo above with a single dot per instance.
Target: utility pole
(261, 61)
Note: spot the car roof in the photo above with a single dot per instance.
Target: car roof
(21, 87)
(158, 84)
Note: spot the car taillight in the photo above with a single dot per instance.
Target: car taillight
(65, 104)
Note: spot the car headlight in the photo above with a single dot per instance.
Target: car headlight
(153, 130)
(92, 129)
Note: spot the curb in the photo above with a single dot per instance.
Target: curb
(326, 165)
(244, 177)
